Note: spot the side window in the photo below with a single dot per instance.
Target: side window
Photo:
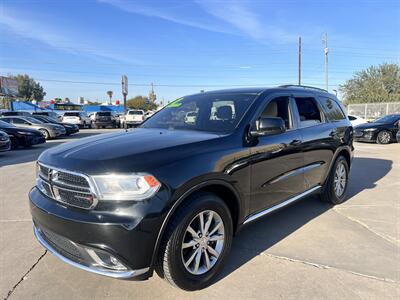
(18, 121)
(8, 120)
(309, 112)
(279, 108)
(332, 109)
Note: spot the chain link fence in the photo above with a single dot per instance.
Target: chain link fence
(372, 111)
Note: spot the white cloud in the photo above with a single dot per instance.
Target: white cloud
(60, 40)
(164, 13)
(247, 20)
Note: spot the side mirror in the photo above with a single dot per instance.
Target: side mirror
(269, 126)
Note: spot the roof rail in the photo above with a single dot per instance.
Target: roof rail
(302, 86)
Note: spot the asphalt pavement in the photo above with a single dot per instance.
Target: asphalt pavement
(309, 250)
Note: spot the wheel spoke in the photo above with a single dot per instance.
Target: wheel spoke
(201, 216)
(188, 262)
(189, 244)
(209, 220)
(212, 251)
(215, 238)
(192, 232)
(207, 259)
(197, 262)
(215, 228)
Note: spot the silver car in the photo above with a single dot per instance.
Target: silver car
(48, 130)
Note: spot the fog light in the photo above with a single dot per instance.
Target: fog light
(105, 260)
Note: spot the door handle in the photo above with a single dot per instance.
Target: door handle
(295, 142)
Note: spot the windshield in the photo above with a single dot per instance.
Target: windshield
(33, 120)
(71, 114)
(204, 112)
(388, 119)
(135, 112)
(5, 124)
(104, 114)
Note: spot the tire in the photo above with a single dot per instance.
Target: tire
(45, 133)
(330, 191)
(173, 254)
(384, 137)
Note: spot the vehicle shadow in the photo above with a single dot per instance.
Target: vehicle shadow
(262, 234)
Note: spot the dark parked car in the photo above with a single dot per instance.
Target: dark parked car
(170, 195)
(22, 137)
(14, 113)
(5, 143)
(398, 136)
(69, 128)
(381, 131)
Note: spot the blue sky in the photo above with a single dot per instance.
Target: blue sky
(81, 47)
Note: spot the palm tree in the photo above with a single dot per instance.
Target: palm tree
(110, 94)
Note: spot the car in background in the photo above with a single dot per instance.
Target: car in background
(50, 114)
(381, 131)
(134, 117)
(5, 143)
(101, 119)
(14, 113)
(79, 118)
(356, 120)
(22, 137)
(69, 128)
(49, 131)
(398, 136)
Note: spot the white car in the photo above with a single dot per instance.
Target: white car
(356, 120)
(134, 117)
(148, 114)
(79, 118)
(190, 117)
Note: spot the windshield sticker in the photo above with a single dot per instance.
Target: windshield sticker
(176, 103)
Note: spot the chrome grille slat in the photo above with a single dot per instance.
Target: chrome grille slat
(67, 187)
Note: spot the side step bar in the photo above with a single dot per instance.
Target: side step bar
(280, 205)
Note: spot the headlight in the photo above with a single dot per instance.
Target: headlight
(126, 187)
(370, 129)
(25, 132)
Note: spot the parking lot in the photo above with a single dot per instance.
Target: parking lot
(309, 250)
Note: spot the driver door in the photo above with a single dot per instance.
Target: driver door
(277, 160)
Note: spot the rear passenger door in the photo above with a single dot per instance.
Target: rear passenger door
(317, 135)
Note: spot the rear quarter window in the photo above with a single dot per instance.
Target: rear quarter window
(332, 109)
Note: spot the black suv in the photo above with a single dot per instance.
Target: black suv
(170, 195)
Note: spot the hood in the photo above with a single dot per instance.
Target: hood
(371, 125)
(11, 130)
(128, 150)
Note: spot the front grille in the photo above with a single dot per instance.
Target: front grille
(66, 187)
(73, 179)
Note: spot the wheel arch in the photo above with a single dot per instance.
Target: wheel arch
(222, 189)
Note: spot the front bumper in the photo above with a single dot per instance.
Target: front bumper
(30, 140)
(5, 145)
(127, 235)
(365, 136)
(88, 266)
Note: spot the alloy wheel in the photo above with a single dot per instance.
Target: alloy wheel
(384, 137)
(203, 242)
(340, 180)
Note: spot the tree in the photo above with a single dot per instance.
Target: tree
(28, 88)
(141, 102)
(110, 94)
(375, 84)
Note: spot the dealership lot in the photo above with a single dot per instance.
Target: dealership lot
(308, 251)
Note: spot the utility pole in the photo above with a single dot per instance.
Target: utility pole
(326, 51)
(299, 60)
